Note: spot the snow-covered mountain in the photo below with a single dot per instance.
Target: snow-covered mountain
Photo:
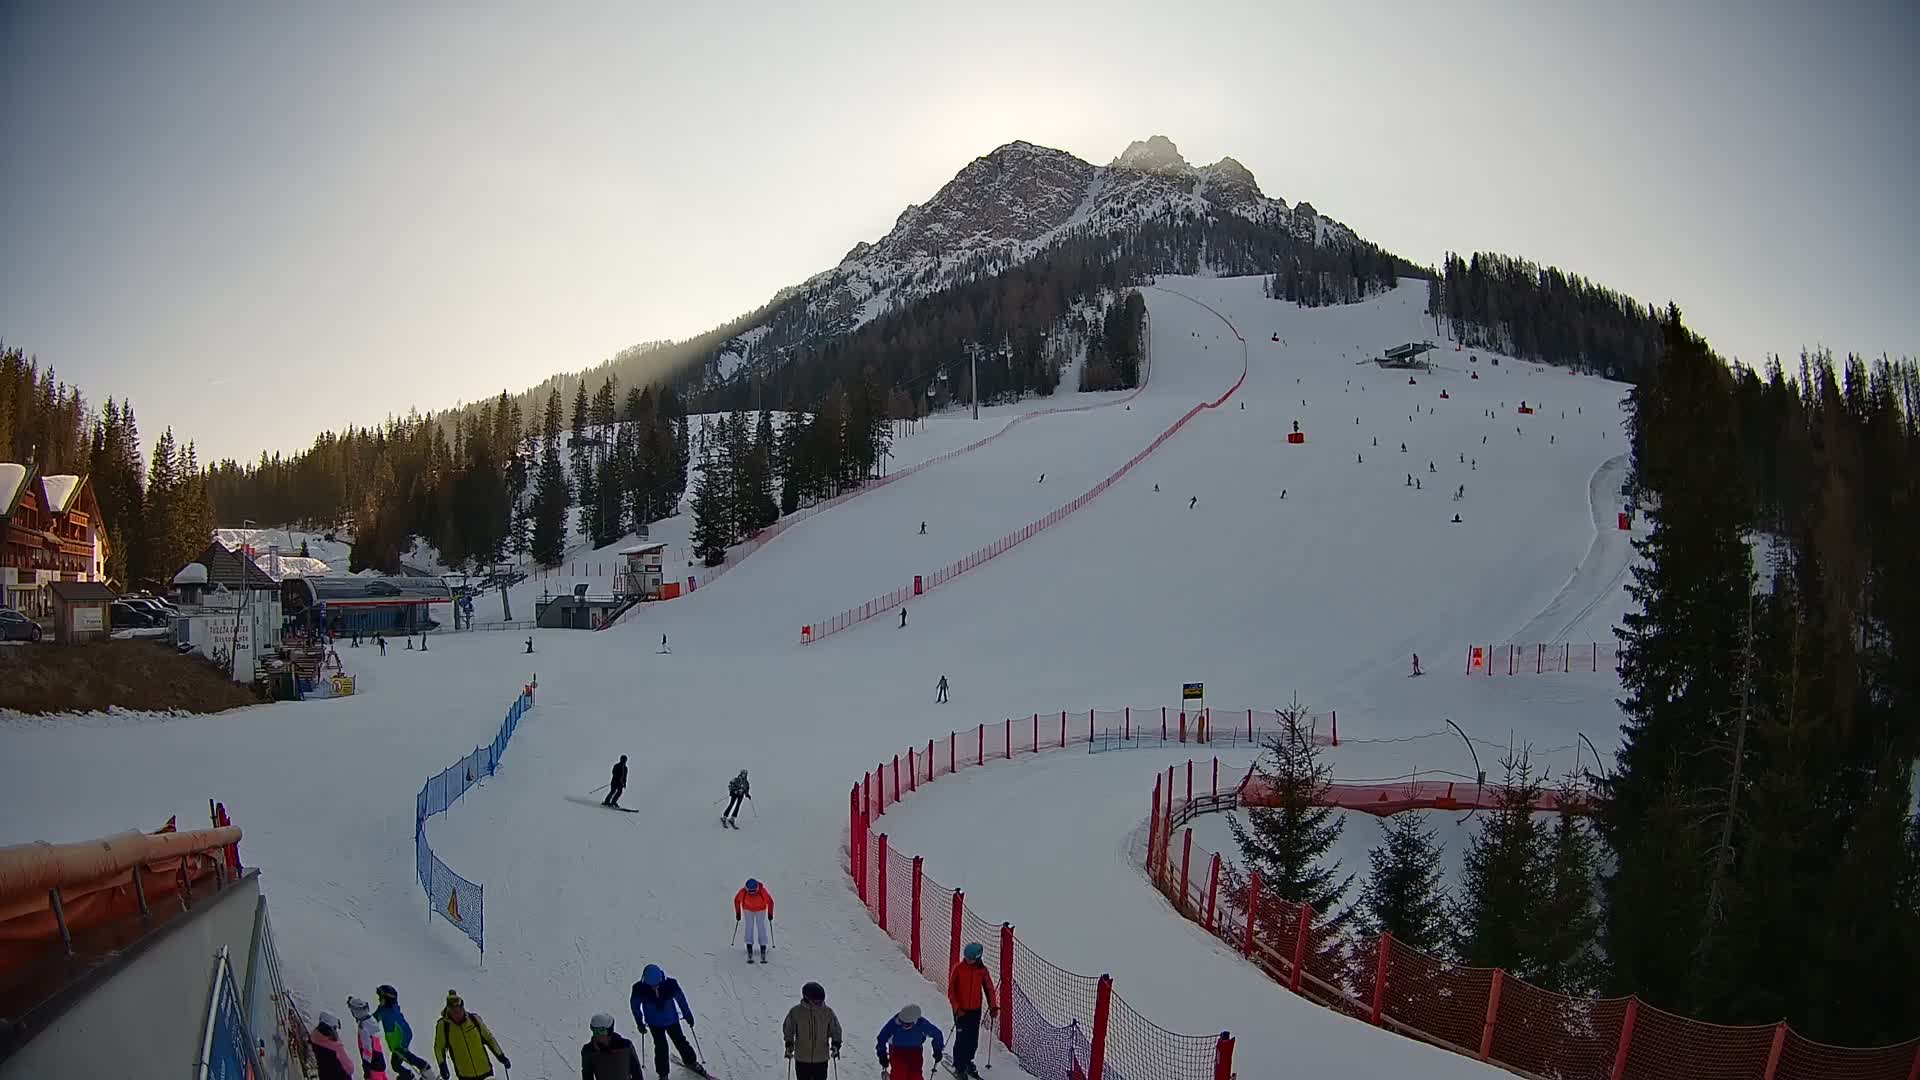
(1004, 209)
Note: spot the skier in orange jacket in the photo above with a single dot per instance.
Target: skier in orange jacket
(756, 902)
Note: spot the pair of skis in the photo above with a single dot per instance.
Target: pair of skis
(728, 823)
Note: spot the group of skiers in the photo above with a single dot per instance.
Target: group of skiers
(385, 1041)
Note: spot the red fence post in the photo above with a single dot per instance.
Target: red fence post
(1626, 1040)
(953, 748)
(1380, 979)
(1183, 725)
(1253, 908)
(1189, 801)
(896, 777)
(1773, 1052)
(953, 940)
(1153, 832)
(1063, 725)
(1914, 1073)
(882, 875)
(1493, 1014)
(853, 844)
(867, 782)
(930, 764)
(981, 754)
(1223, 1057)
(913, 772)
(1216, 777)
(1102, 1005)
(1126, 723)
(1336, 727)
(1186, 861)
(1006, 984)
(1163, 723)
(1036, 733)
(913, 950)
(1009, 734)
(1213, 889)
(1300, 947)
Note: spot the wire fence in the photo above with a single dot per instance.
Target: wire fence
(922, 583)
(452, 897)
(1062, 1025)
(1483, 1013)
(1544, 658)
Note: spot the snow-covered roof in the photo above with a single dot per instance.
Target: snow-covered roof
(279, 567)
(12, 475)
(59, 491)
(643, 549)
(191, 574)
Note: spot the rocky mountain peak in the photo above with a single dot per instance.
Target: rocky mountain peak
(1154, 155)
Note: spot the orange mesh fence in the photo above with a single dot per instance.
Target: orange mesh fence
(1551, 1034)
(1059, 994)
(1139, 1049)
(1666, 1045)
(899, 871)
(1802, 1058)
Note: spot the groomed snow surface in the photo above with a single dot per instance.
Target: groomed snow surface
(1324, 593)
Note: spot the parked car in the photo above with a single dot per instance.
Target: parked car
(128, 617)
(17, 627)
(155, 607)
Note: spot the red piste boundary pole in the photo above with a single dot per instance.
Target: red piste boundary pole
(953, 940)
(1006, 984)
(1102, 1005)
(883, 881)
(914, 948)
(1223, 1057)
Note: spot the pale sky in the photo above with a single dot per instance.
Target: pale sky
(259, 224)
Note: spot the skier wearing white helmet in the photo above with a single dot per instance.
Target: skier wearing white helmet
(609, 1055)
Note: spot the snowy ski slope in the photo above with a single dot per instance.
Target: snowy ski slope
(1325, 593)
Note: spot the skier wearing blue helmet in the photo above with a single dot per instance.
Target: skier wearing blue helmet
(658, 1006)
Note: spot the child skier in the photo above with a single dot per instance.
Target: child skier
(737, 789)
(658, 1005)
(756, 901)
(900, 1042)
(328, 1054)
(373, 1041)
(399, 1034)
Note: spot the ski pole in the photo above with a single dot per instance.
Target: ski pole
(601, 788)
(698, 1051)
(732, 941)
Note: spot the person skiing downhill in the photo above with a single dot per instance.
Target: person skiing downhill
(812, 1033)
(399, 1034)
(900, 1042)
(658, 1006)
(618, 784)
(756, 902)
(923, 528)
(329, 1055)
(969, 989)
(737, 789)
(373, 1041)
(903, 618)
(609, 1055)
(940, 692)
(463, 1037)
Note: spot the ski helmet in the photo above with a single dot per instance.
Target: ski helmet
(813, 991)
(753, 884)
(973, 951)
(910, 1015)
(653, 976)
(329, 1021)
(358, 1007)
(387, 994)
(601, 1022)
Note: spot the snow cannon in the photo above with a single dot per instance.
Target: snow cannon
(1296, 436)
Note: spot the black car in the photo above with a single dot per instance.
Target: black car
(128, 617)
(17, 627)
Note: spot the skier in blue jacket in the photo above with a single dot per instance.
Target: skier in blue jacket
(658, 1005)
(900, 1042)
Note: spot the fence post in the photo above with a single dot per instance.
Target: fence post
(1126, 723)
(953, 938)
(880, 790)
(853, 845)
(1189, 801)
(1385, 945)
(1036, 733)
(1183, 725)
(980, 754)
(1006, 984)
(1300, 947)
(1626, 1040)
(882, 875)
(931, 767)
(1773, 1052)
(953, 755)
(866, 781)
(1914, 1073)
(1186, 859)
(1153, 831)
(914, 947)
(913, 772)
(1213, 888)
(1223, 1057)
(1493, 1014)
(1336, 727)
(896, 776)
(1009, 734)
(1253, 908)
(1163, 723)
(1102, 1004)
(1216, 777)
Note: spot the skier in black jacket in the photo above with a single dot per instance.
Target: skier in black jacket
(619, 783)
(609, 1055)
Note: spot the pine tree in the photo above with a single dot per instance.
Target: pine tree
(1503, 885)
(1567, 933)
(580, 455)
(710, 536)
(1289, 842)
(162, 508)
(1404, 896)
(551, 498)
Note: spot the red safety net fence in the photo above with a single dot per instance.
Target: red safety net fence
(1544, 658)
(1060, 1024)
(1483, 1013)
(887, 602)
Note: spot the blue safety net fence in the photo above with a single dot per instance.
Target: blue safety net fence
(452, 897)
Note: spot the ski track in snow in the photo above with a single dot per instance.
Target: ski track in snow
(1324, 593)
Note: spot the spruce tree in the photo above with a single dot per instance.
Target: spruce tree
(709, 535)
(1567, 930)
(1289, 842)
(1403, 895)
(1504, 883)
(551, 497)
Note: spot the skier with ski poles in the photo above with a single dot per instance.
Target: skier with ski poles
(463, 1037)
(737, 789)
(399, 1033)
(900, 1042)
(812, 1034)
(940, 692)
(658, 1005)
(618, 785)
(969, 989)
(756, 902)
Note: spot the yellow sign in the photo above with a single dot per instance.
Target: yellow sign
(342, 685)
(453, 906)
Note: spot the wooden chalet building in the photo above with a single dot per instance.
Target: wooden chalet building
(50, 530)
